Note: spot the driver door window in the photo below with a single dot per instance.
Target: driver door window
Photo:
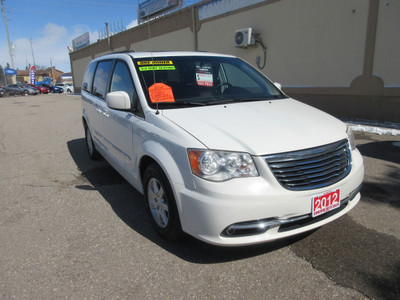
(122, 81)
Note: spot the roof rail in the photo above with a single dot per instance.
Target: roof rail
(122, 51)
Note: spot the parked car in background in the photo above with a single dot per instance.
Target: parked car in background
(34, 87)
(15, 89)
(67, 87)
(53, 89)
(28, 90)
(41, 89)
(2, 92)
(217, 149)
(57, 89)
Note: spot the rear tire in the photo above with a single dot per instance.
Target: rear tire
(93, 153)
(161, 204)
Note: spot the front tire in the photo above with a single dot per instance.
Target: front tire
(161, 204)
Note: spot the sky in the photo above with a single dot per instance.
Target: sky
(48, 27)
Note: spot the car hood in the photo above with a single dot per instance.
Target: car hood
(259, 128)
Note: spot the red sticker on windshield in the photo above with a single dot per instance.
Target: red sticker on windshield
(160, 92)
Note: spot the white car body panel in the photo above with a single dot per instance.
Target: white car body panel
(249, 127)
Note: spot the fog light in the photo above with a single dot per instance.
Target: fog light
(230, 230)
(245, 229)
(257, 226)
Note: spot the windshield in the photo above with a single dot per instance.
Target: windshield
(202, 80)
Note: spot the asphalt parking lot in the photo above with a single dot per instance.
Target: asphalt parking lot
(73, 228)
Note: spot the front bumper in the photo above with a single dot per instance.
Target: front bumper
(208, 212)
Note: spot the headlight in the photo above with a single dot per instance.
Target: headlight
(221, 165)
(351, 137)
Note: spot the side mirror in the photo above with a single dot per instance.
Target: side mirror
(278, 85)
(118, 100)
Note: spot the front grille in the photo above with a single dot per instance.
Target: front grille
(311, 168)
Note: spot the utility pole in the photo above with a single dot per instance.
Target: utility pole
(108, 36)
(107, 30)
(52, 71)
(33, 54)
(8, 39)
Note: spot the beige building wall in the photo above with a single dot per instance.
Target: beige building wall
(78, 67)
(311, 43)
(387, 49)
(341, 56)
(182, 39)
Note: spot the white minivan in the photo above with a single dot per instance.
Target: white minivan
(218, 150)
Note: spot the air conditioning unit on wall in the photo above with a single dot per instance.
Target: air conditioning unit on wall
(245, 37)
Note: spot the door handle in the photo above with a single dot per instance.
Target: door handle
(104, 113)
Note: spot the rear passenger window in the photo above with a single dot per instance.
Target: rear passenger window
(88, 77)
(101, 76)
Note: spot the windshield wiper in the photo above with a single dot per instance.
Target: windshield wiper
(240, 99)
(245, 99)
(182, 103)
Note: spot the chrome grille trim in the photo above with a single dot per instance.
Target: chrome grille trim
(311, 168)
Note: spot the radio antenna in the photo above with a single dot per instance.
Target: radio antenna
(152, 59)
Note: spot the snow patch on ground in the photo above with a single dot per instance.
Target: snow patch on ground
(380, 128)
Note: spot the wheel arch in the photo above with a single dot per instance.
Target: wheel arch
(177, 176)
(84, 119)
(84, 122)
(155, 152)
